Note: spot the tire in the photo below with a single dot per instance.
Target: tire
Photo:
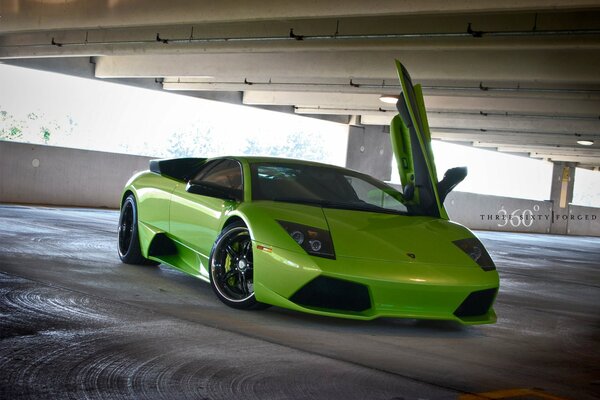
(128, 244)
(232, 268)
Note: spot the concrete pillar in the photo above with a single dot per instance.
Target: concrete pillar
(561, 195)
(369, 150)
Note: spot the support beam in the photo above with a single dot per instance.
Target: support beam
(514, 123)
(574, 150)
(28, 16)
(516, 147)
(570, 158)
(508, 138)
(567, 66)
(364, 104)
(387, 86)
(88, 44)
(370, 151)
(561, 195)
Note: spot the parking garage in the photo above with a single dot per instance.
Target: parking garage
(517, 78)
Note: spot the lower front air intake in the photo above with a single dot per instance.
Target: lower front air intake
(333, 294)
(476, 304)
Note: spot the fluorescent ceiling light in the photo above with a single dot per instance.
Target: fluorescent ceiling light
(388, 98)
(585, 142)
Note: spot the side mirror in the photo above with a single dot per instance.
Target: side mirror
(452, 177)
(219, 192)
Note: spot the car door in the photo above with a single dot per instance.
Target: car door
(411, 144)
(196, 219)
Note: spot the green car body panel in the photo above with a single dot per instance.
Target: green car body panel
(407, 266)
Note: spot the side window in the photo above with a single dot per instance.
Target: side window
(224, 173)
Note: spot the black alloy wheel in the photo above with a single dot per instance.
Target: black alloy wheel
(128, 238)
(232, 268)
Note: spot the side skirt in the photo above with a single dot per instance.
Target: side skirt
(168, 251)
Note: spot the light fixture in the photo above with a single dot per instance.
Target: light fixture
(388, 98)
(585, 142)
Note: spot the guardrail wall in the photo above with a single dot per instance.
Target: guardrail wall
(33, 174)
(61, 176)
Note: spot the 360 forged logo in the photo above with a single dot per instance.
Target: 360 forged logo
(527, 217)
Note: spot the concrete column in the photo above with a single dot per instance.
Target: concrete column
(369, 150)
(561, 195)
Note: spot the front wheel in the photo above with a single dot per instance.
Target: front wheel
(232, 268)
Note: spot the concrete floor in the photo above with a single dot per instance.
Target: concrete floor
(77, 323)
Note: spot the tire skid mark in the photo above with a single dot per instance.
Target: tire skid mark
(83, 347)
(38, 302)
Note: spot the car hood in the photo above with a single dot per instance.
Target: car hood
(391, 237)
(362, 234)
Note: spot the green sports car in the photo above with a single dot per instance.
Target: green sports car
(313, 237)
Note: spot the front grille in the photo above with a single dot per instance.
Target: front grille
(333, 294)
(476, 304)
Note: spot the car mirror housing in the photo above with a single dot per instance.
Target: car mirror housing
(452, 177)
(219, 192)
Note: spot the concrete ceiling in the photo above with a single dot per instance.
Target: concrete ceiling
(521, 76)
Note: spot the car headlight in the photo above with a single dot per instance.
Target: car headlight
(474, 248)
(315, 241)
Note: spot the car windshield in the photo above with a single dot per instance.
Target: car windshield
(323, 186)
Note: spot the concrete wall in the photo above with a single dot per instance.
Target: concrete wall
(61, 176)
(583, 221)
(494, 213)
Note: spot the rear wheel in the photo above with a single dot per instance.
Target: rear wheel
(129, 240)
(232, 268)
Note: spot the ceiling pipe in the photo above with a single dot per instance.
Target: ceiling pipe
(516, 115)
(384, 86)
(463, 113)
(505, 131)
(469, 33)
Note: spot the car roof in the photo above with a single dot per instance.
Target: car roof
(259, 159)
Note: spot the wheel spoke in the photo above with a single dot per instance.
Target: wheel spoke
(243, 283)
(228, 275)
(247, 248)
(232, 253)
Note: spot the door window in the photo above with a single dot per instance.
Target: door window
(223, 173)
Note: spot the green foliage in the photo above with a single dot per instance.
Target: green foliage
(45, 134)
(196, 142)
(204, 142)
(10, 129)
(28, 128)
(199, 140)
(300, 145)
(14, 132)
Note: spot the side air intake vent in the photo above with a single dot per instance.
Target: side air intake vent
(176, 168)
(476, 304)
(334, 294)
(161, 246)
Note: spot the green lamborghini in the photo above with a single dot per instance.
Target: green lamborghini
(313, 237)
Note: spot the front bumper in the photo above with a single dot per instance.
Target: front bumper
(368, 289)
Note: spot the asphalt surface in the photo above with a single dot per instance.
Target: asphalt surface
(77, 323)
